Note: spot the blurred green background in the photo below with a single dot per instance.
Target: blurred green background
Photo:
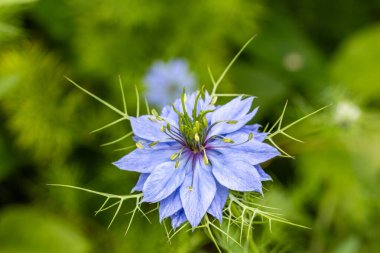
(312, 53)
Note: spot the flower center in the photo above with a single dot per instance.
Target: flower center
(193, 131)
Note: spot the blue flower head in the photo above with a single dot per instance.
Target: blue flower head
(192, 154)
(165, 81)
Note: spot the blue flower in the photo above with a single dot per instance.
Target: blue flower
(192, 154)
(165, 81)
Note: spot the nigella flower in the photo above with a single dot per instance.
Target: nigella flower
(192, 154)
(165, 81)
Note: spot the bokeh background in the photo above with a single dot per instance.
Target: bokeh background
(311, 53)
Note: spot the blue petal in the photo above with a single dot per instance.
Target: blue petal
(140, 183)
(233, 110)
(170, 205)
(178, 219)
(163, 181)
(240, 136)
(160, 145)
(144, 160)
(259, 136)
(253, 152)
(195, 202)
(168, 112)
(147, 127)
(236, 175)
(217, 205)
(224, 128)
(205, 104)
(252, 128)
(263, 175)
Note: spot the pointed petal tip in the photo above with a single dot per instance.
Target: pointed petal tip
(178, 219)
(194, 223)
(170, 205)
(217, 205)
(163, 181)
(136, 189)
(196, 202)
(269, 178)
(117, 164)
(243, 177)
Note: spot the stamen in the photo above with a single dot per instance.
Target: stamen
(179, 158)
(250, 137)
(152, 119)
(228, 140)
(156, 116)
(218, 122)
(139, 145)
(154, 113)
(174, 156)
(196, 137)
(173, 137)
(178, 135)
(205, 158)
(153, 143)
